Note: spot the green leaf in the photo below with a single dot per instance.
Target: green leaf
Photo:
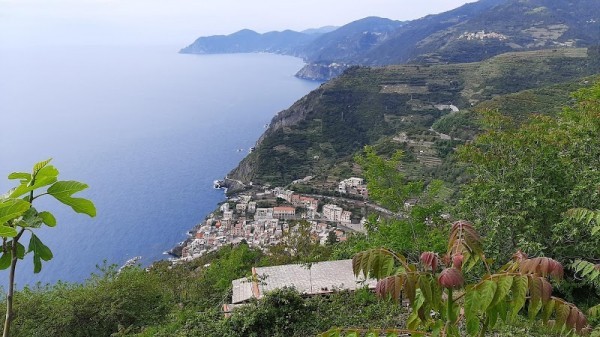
(38, 166)
(48, 218)
(63, 191)
(25, 188)
(471, 311)
(5, 261)
(436, 329)
(588, 268)
(11, 209)
(547, 310)
(562, 314)
(492, 317)
(40, 252)
(31, 219)
(504, 284)
(519, 294)
(536, 293)
(26, 177)
(7, 232)
(47, 171)
(487, 290)
(413, 319)
(20, 251)
(425, 286)
(503, 311)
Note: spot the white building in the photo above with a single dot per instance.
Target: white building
(251, 207)
(263, 213)
(350, 182)
(332, 212)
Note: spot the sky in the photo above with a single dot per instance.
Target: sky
(180, 22)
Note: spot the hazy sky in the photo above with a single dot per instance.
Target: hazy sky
(179, 22)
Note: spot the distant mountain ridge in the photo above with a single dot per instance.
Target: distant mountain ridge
(248, 41)
(473, 32)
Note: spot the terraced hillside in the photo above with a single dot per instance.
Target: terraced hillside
(395, 107)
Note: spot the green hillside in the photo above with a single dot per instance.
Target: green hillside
(396, 107)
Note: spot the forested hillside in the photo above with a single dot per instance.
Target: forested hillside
(397, 106)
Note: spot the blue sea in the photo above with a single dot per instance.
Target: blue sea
(146, 128)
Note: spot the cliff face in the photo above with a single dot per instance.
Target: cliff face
(321, 72)
(249, 169)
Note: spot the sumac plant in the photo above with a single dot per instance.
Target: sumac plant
(442, 303)
(18, 216)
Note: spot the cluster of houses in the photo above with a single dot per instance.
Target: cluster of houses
(482, 35)
(247, 217)
(353, 186)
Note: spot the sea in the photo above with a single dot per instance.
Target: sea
(148, 129)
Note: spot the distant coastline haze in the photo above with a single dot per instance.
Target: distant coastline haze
(174, 23)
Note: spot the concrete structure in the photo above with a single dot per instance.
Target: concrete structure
(332, 212)
(354, 186)
(263, 213)
(284, 212)
(320, 278)
(227, 215)
(241, 207)
(345, 217)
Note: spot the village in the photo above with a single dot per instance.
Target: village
(261, 218)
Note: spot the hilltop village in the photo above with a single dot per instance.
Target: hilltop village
(263, 216)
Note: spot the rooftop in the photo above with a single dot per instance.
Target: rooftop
(319, 278)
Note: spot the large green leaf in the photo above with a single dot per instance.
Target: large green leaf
(40, 252)
(43, 175)
(487, 290)
(471, 311)
(504, 284)
(47, 171)
(7, 232)
(519, 294)
(547, 310)
(11, 209)
(63, 191)
(25, 188)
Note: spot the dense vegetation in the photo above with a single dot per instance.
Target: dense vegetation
(525, 176)
(397, 105)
